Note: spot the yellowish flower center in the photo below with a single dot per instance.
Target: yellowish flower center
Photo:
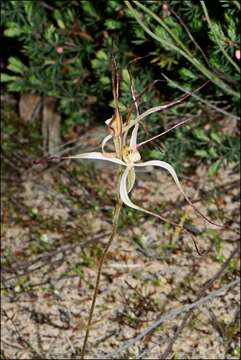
(130, 156)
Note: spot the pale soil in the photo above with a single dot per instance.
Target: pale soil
(52, 240)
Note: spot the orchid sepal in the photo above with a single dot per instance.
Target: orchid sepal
(96, 156)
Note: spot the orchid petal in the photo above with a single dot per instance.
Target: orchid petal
(127, 201)
(124, 193)
(166, 131)
(105, 141)
(107, 122)
(133, 140)
(162, 107)
(95, 156)
(151, 111)
(170, 169)
(131, 178)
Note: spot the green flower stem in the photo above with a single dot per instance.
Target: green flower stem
(111, 238)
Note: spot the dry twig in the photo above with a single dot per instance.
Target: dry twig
(188, 309)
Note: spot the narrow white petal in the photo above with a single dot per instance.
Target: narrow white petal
(95, 156)
(108, 121)
(105, 141)
(127, 201)
(153, 110)
(164, 106)
(131, 178)
(123, 190)
(134, 133)
(170, 169)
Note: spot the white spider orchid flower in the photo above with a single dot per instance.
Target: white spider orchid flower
(128, 155)
(130, 160)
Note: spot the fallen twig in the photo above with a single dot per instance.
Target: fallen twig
(204, 287)
(171, 315)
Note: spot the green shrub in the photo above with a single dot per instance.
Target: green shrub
(62, 49)
(218, 36)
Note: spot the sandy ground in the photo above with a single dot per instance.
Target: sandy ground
(53, 231)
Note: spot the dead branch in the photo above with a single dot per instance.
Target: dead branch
(21, 339)
(172, 315)
(188, 309)
(204, 287)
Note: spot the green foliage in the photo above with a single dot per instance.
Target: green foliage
(76, 269)
(211, 146)
(65, 47)
(189, 25)
(65, 52)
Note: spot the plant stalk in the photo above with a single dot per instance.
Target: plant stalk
(113, 233)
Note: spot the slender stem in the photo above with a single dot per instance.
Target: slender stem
(113, 233)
